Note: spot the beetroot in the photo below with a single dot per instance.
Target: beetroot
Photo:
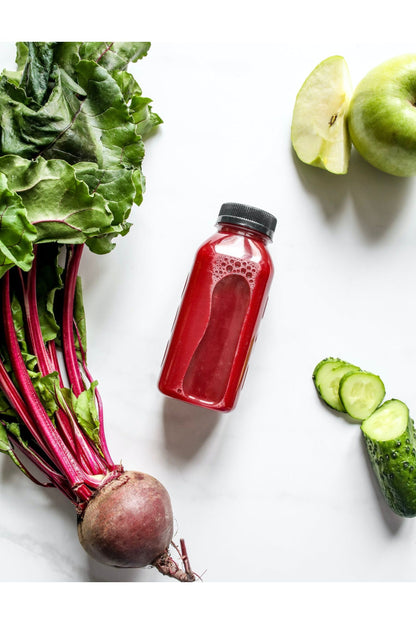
(128, 522)
(125, 518)
(73, 122)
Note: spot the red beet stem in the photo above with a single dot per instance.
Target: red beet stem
(32, 318)
(43, 356)
(81, 447)
(103, 441)
(56, 479)
(70, 354)
(19, 406)
(54, 357)
(83, 450)
(68, 427)
(48, 434)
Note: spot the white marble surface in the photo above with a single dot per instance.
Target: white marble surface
(280, 489)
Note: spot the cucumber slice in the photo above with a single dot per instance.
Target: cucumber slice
(388, 422)
(361, 393)
(326, 377)
(390, 440)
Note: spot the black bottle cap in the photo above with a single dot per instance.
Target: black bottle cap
(248, 216)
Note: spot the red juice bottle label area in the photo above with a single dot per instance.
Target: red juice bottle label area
(223, 301)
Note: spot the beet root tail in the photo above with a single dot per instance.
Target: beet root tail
(168, 566)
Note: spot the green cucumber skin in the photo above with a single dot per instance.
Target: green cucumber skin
(331, 360)
(337, 363)
(394, 464)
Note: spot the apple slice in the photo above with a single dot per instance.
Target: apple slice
(319, 131)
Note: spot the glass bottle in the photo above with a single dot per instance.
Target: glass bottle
(223, 301)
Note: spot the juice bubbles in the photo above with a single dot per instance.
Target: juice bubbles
(222, 304)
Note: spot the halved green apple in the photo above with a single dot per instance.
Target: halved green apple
(319, 130)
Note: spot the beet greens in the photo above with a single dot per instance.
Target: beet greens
(72, 125)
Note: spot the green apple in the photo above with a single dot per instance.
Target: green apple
(382, 117)
(319, 130)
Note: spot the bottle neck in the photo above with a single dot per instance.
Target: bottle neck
(231, 228)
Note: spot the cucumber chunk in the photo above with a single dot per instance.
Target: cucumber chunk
(390, 440)
(361, 393)
(327, 376)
